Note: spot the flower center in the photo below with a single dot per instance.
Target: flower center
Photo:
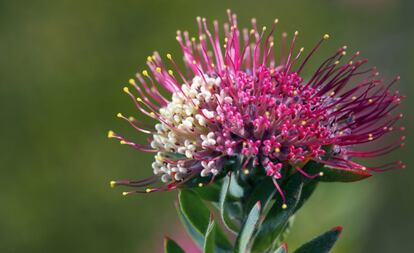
(269, 118)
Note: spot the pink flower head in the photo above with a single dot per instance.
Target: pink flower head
(234, 99)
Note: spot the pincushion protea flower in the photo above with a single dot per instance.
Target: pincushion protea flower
(235, 100)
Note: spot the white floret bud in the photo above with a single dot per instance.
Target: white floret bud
(208, 114)
(208, 140)
(177, 119)
(189, 154)
(185, 89)
(182, 169)
(165, 178)
(154, 144)
(189, 110)
(204, 172)
(228, 100)
(159, 127)
(188, 122)
(201, 120)
(178, 176)
(181, 150)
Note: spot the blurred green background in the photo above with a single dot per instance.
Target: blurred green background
(63, 64)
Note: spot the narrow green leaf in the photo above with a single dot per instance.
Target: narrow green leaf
(309, 185)
(263, 192)
(222, 242)
(282, 249)
(194, 234)
(247, 229)
(224, 206)
(235, 189)
(331, 174)
(210, 192)
(277, 217)
(171, 247)
(307, 190)
(322, 243)
(194, 210)
(210, 237)
(286, 230)
(195, 217)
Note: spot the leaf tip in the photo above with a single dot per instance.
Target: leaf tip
(337, 229)
(364, 174)
(165, 241)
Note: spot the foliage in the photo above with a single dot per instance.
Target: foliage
(248, 206)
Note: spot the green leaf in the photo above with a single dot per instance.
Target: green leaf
(247, 229)
(222, 242)
(286, 230)
(263, 192)
(194, 210)
(282, 249)
(194, 234)
(225, 206)
(331, 174)
(210, 192)
(195, 217)
(171, 247)
(307, 190)
(309, 185)
(277, 217)
(322, 243)
(196, 182)
(210, 237)
(203, 181)
(235, 189)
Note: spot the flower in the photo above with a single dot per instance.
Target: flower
(235, 100)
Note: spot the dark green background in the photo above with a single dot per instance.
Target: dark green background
(63, 64)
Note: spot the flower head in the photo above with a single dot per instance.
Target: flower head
(234, 99)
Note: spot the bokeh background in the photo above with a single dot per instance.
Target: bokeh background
(63, 65)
